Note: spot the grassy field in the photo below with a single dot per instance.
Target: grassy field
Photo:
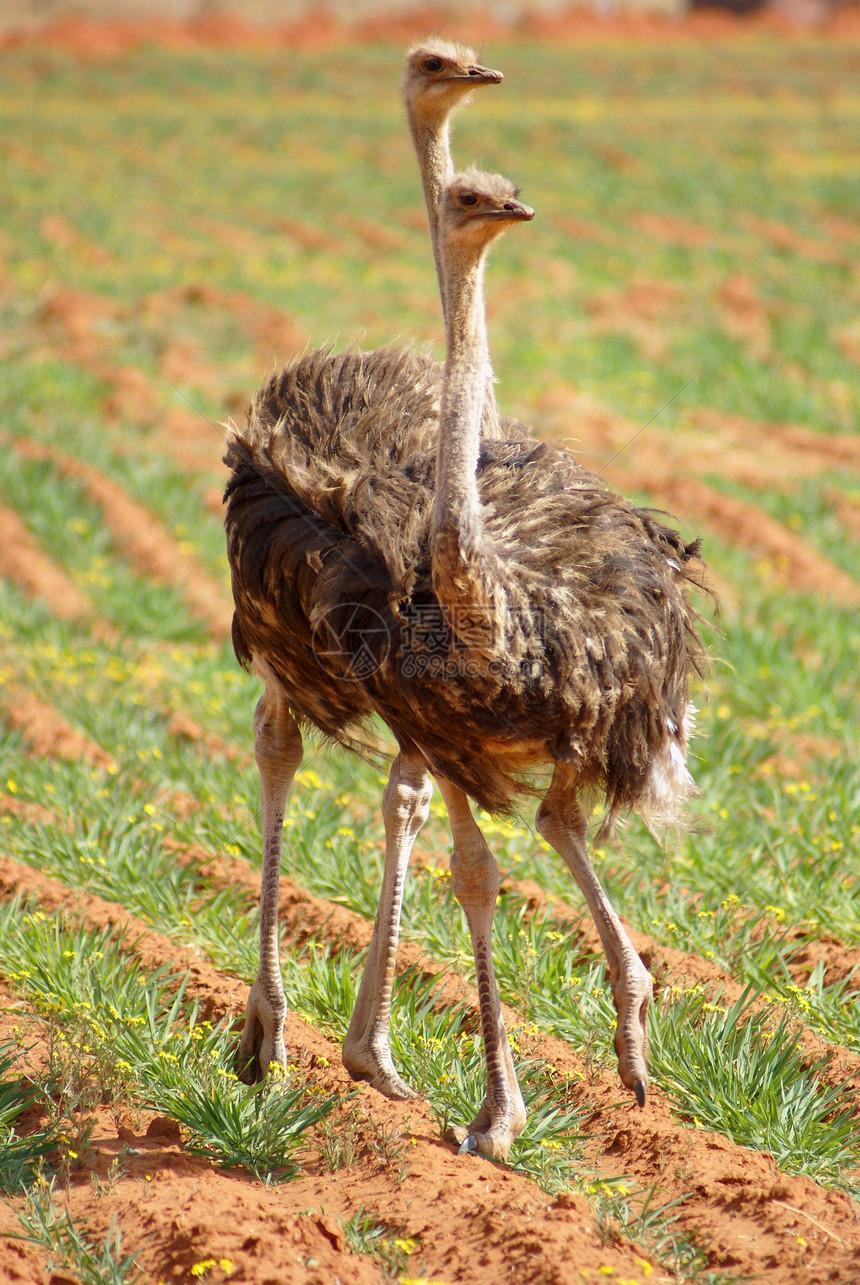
(685, 305)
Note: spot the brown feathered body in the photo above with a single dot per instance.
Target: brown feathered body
(329, 508)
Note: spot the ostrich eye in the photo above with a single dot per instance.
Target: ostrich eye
(468, 198)
(432, 64)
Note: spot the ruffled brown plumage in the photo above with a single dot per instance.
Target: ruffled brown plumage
(328, 521)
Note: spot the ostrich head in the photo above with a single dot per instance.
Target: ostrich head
(478, 207)
(439, 77)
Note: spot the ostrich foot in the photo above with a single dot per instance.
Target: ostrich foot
(632, 997)
(494, 1144)
(262, 1042)
(486, 1135)
(374, 1066)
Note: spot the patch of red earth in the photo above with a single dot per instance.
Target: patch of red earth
(59, 232)
(582, 230)
(46, 733)
(474, 1221)
(181, 726)
(783, 555)
(847, 339)
(23, 561)
(791, 449)
(841, 963)
(78, 321)
(664, 464)
(308, 237)
(617, 159)
(375, 236)
(82, 325)
(675, 231)
(132, 398)
(637, 311)
(30, 813)
(840, 228)
(142, 539)
(797, 754)
(270, 329)
(847, 508)
(182, 363)
(232, 235)
(744, 316)
(783, 237)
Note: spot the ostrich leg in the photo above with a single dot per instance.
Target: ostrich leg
(562, 823)
(475, 883)
(366, 1054)
(278, 751)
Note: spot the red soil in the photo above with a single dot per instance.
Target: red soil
(46, 733)
(22, 560)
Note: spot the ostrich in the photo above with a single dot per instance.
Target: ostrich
(570, 643)
(332, 415)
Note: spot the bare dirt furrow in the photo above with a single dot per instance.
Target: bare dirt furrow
(755, 453)
(81, 326)
(143, 540)
(782, 237)
(48, 734)
(783, 555)
(23, 561)
(273, 334)
(672, 471)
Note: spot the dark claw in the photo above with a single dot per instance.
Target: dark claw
(639, 1090)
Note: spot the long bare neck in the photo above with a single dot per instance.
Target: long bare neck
(433, 148)
(457, 542)
(432, 141)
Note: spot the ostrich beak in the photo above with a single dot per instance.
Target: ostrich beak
(478, 75)
(514, 211)
(485, 75)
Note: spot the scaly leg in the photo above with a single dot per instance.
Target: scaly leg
(562, 823)
(278, 750)
(366, 1053)
(475, 883)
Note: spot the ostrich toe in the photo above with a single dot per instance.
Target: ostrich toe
(494, 1143)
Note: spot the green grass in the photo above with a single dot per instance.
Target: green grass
(769, 1098)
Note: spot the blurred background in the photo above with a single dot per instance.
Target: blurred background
(192, 193)
(20, 15)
